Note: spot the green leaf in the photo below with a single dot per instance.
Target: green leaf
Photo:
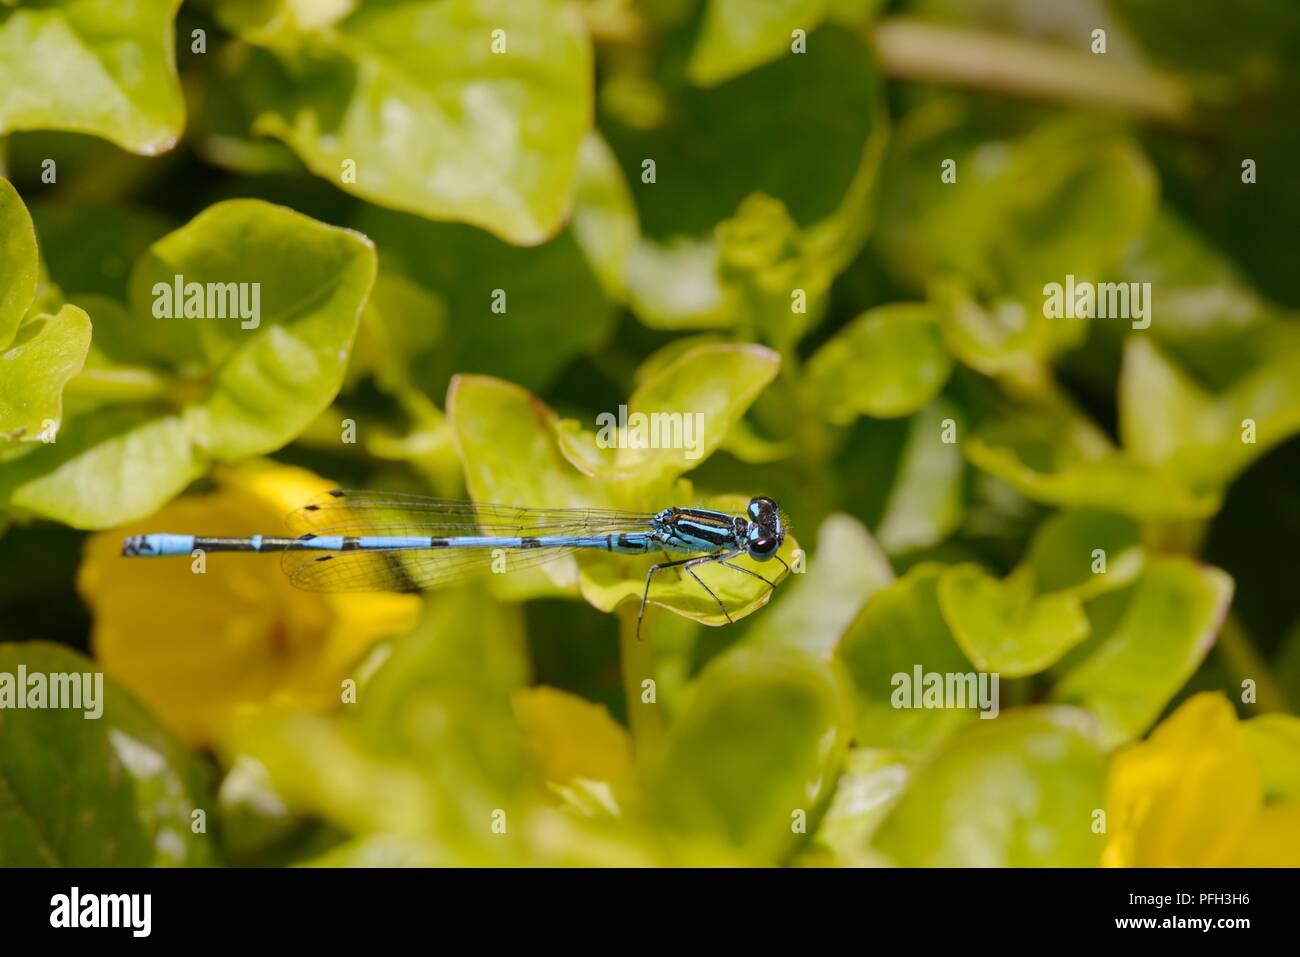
(717, 146)
(604, 215)
(1016, 792)
(925, 504)
(901, 629)
(1065, 199)
(18, 261)
(774, 278)
(699, 396)
(496, 293)
(1114, 482)
(109, 70)
(761, 740)
(1168, 420)
(1068, 197)
(44, 355)
(105, 469)
(1274, 739)
(1002, 627)
(714, 148)
(270, 375)
(488, 138)
(816, 607)
(1172, 617)
(505, 436)
(1210, 319)
(1063, 554)
(889, 362)
(115, 790)
(237, 386)
(869, 786)
(737, 35)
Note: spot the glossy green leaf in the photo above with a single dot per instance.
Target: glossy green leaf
(901, 629)
(714, 148)
(1115, 482)
(686, 408)
(1168, 420)
(774, 279)
(761, 742)
(1172, 618)
(889, 362)
(1085, 553)
(18, 261)
(925, 504)
(485, 132)
(817, 606)
(105, 469)
(113, 790)
(496, 293)
(505, 436)
(674, 285)
(737, 35)
(244, 386)
(93, 68)
(1065, 199)
(1210, 319)
(1016, 792)
(273, 373)
(604, 214)
(43, 356)
(750, 134)
(870, 784)
(1003, 627)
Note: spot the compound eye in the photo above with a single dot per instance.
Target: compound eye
(763, 546)
(761, 510)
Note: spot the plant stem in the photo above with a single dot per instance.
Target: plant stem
(1242, 661)
(637, 661)
(121, 384)
(925, 52)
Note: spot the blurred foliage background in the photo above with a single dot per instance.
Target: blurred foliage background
(825, 224)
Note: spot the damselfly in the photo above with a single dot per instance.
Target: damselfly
(372, 541)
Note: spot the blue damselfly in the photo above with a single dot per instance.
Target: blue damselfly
(373, 541)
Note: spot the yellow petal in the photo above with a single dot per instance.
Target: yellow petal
(200, 648)
(1273, 839)
(1187, 795)
(572, 737)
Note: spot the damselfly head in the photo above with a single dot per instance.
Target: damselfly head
(766, 530)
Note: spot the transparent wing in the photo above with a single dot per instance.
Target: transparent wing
(373, 513)
(342, 511)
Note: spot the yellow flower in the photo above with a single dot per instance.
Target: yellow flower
(1192, 795)
(203, 649)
